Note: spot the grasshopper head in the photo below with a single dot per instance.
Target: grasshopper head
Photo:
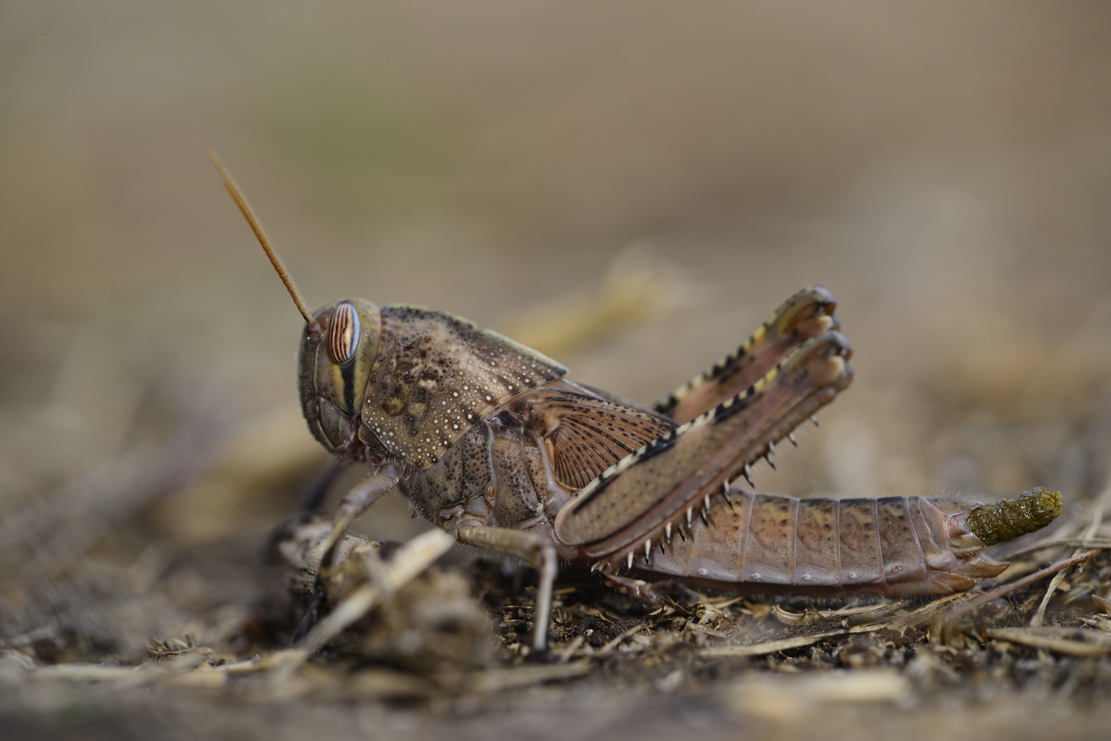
(338, 350)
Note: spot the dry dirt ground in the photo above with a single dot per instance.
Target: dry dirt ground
(628, 187)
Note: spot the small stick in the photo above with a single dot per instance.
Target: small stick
(1039, 615)
(987, 597)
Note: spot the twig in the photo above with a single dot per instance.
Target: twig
(1049, 639)
(917, 617)
(987, 597)
(408, 563)
(1039, 614)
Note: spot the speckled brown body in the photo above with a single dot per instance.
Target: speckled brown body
(486, 434)
(505, 472)
(491, 443)
(436, 377)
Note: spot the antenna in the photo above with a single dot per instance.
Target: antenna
(256, 227)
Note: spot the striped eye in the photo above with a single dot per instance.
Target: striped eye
(343, 334)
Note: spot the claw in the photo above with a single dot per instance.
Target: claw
(312, 612)
(748, 475)
(690, 517)
(791, 437)
(629, 560)
(667, 533)
(814, 420)
(647, 549)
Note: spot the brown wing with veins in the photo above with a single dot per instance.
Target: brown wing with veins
(586, 433)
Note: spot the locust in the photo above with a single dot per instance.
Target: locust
(492, 442)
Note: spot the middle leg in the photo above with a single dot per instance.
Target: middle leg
(535, 550)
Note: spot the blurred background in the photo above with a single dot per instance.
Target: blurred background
(631, 187)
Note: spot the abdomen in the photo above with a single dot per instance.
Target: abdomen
(896, 546)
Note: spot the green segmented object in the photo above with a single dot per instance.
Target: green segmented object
(1010, 518)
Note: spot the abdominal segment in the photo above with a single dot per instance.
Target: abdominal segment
(896, 546)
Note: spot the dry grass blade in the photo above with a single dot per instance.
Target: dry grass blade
(567, 653)
(770, 647)
(896, 622)
(409, 561)
(615, 642)
(776, 699)
(188, 668)
(1039, 615)
(854, 613)
(1057, 640)
(988, 597)
(495, 680)
(1083, 543)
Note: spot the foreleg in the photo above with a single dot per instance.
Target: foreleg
(317, 490)
(354, 503)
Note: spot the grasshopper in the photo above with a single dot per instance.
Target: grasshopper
(490, 441)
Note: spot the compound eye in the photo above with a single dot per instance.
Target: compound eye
(343, 334)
